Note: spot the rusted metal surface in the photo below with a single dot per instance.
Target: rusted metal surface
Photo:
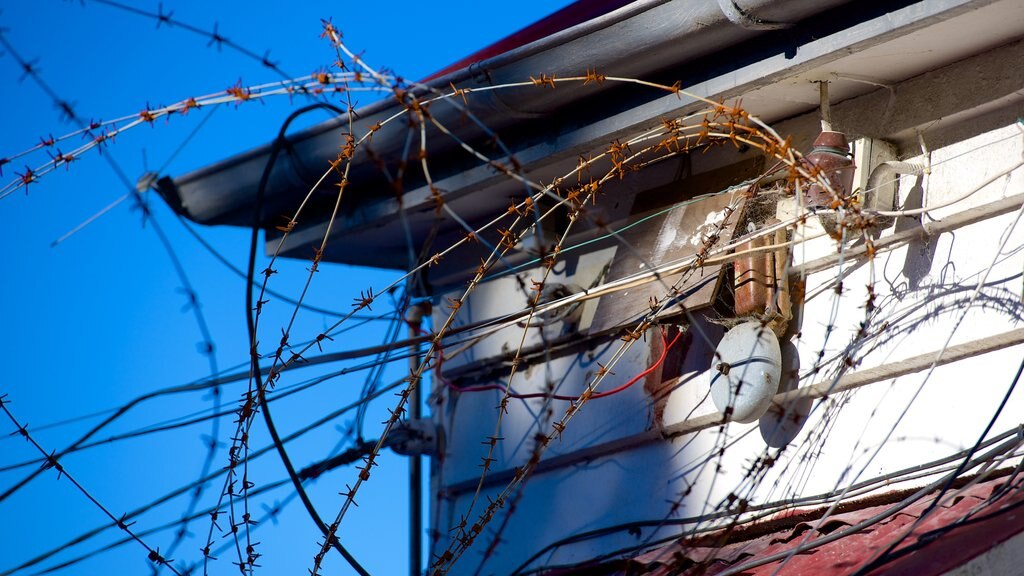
(761, 283)
(781, 307)
(945, 547)
(755, 277)
(831, 155)
(660, 382)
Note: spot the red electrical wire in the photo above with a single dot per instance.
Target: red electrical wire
(440, 358)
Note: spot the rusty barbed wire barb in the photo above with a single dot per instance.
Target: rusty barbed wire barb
(719, 125)
(109, 129)
(618, 168)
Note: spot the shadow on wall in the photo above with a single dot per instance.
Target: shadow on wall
(920, 250)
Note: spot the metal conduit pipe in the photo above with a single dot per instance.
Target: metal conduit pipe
(880, 194)
(414, 318)
(886, 170)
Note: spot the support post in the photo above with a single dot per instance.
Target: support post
(414, 318)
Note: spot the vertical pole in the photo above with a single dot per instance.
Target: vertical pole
(414, 317)
(826, 106)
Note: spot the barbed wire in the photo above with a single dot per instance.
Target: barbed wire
(53, 462)
(716, 125)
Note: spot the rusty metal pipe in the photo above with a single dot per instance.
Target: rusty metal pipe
(831, 155)
(754, 278)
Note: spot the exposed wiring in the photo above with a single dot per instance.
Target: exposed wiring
(770, 509)
(241, 274)
(311, 472)
(807, 451)
(53, 463)
(918, 211)
(213, 475)
(886, 555)
(666, 346)
(251, 329)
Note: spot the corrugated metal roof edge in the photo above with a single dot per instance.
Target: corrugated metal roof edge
(992, 525)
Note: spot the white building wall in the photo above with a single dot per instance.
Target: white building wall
(927, 296)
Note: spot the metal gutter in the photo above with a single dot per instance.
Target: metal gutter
(562, 150)
(635, 40)
(548, 31)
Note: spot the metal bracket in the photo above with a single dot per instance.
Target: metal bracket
(415, 438)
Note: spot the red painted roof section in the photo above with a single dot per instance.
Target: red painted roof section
(573, 14)
(992, 523)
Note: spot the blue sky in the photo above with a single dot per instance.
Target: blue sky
(101, 318)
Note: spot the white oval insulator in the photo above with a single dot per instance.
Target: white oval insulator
(746, 371)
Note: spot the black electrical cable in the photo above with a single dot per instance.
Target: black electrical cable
(187, 487)
(184, 421)
(888, 555)
(769, 508)
(822, 540)
(95, 429)
(310, 472)
(930, 536)
(227, 264)
(279, 142)
(173, 424)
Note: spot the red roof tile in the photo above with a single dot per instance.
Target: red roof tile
(945, 545)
